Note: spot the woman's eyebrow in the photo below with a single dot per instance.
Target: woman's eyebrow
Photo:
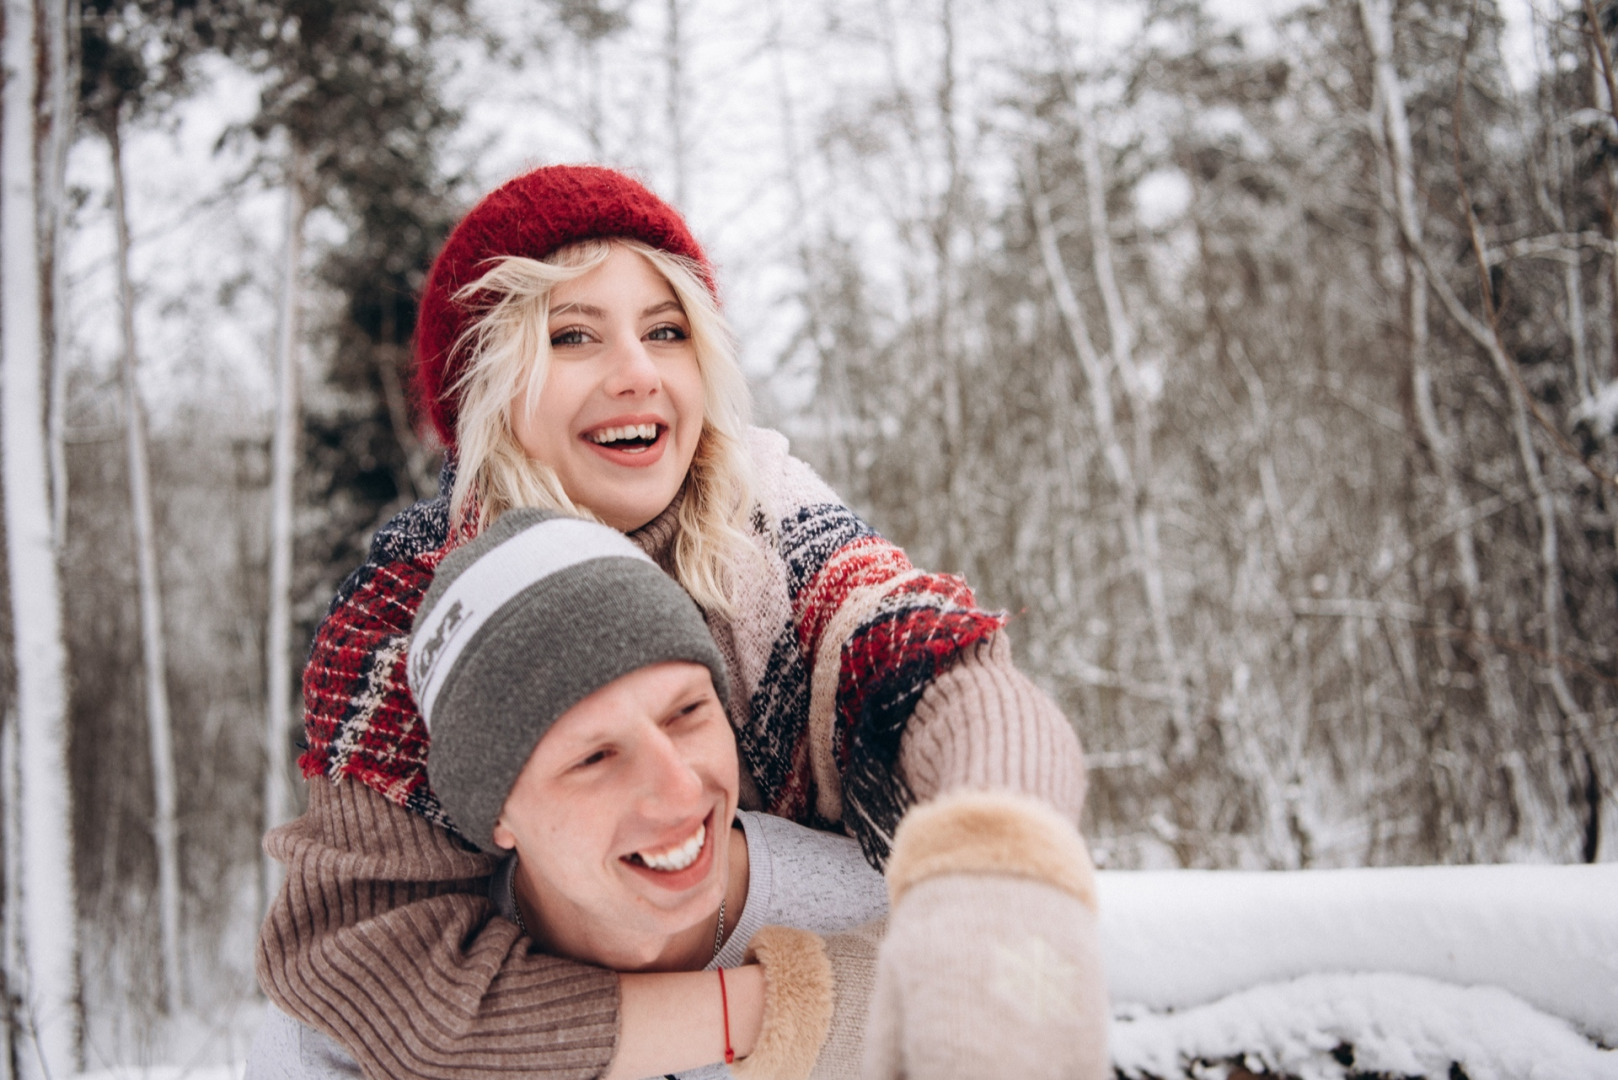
(592, 312)
(587, 310)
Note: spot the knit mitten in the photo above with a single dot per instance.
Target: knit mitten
(992, 965)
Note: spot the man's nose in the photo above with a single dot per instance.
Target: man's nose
(670, 785)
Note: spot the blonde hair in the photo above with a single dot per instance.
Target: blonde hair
(508, 352)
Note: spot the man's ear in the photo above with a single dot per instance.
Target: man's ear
(504, 838)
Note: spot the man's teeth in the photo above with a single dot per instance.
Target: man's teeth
(643, 432)
(677, 858)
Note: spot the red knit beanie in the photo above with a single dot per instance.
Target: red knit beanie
(532, 216)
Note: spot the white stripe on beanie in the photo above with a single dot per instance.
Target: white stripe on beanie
(491, 581)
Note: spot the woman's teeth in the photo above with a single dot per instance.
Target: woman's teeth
(676, 858)
(627, 433)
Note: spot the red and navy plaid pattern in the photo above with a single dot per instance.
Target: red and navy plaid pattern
(360, 718)
(915, 632)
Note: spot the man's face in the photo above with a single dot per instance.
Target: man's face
(621, 817)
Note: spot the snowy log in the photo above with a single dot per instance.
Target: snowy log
(1546, 934)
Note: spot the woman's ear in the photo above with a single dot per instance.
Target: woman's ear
(504, 838)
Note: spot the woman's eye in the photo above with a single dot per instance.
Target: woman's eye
(594, 759)
(667, 333)
(571, 336)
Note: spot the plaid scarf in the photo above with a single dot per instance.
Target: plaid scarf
(836, 636)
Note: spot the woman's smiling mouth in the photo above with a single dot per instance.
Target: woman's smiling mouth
(635, 441)
(627, 436)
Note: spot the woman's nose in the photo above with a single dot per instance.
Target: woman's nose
(634, 373)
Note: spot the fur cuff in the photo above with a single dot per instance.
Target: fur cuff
(798, 998)
(984, 832)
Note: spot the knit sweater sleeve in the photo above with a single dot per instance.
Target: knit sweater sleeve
(905, 684)
(382, 934)
(982, 724)
(382, 937)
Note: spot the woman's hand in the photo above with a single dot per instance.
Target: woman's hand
(992, 965)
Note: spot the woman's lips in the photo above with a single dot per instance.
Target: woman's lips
(680, 880)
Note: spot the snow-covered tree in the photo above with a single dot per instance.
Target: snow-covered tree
(43, 988)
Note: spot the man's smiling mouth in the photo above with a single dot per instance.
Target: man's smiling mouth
(675, 858)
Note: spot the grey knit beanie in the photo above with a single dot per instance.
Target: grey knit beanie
(521, 624)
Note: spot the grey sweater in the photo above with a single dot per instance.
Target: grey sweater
(796, 877)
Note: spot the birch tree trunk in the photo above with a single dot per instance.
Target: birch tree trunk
(1393, 125)
(1140, 533)
(62, 100)
(948, 316)
(11, 949)
(1608, 81)
(1550, 595)
(1121, 338)
(159, 726)
(674, 49)
(1131, 472)
(45, 986)
(283, 452)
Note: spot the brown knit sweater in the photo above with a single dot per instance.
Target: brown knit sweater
(383, 937)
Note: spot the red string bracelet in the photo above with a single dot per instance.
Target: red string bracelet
(724, 1004)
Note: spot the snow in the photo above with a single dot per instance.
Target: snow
(168, 1072)
(1600, 412)
(1323, 1026)
(1510, 971)
(1504, 971)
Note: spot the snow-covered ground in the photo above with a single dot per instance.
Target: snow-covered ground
(1504, 971)
(1501, 971)
(1321, 1026)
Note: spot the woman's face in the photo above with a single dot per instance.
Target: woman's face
(620, 413)
(621, 820)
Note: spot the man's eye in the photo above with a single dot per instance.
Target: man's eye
(594, 759)
(571, 336)
(687, 712)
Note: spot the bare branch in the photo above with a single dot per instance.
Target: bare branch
(1603, 53)
(1550, 246)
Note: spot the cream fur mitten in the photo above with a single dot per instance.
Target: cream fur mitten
(853, 956)
(817, 994)
(799, 991)
(992, 964)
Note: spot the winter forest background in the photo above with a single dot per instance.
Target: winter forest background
(1262, 361)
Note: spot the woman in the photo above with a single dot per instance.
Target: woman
(571, 354)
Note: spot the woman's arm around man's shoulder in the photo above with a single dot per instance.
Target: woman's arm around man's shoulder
(383, 938)
(382, 935)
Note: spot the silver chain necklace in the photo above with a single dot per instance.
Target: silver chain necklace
(719, 932)
(516, 909)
